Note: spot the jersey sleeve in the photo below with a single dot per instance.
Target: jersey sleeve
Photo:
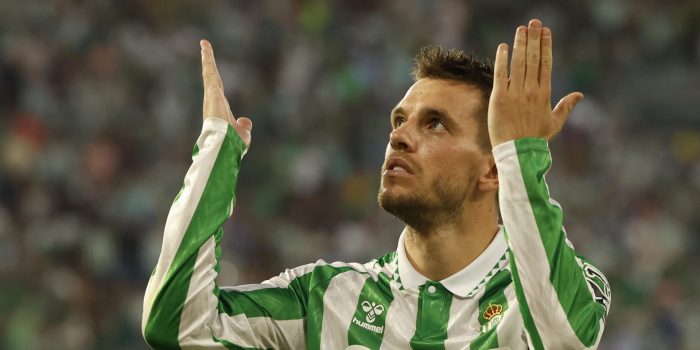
(183, 306)
(563, 298)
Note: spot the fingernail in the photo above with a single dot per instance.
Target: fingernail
(546, 31)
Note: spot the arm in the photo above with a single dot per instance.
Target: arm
(563, 299)
(183, 306)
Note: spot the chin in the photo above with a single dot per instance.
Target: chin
(411, 208)
(392, 194)
(397, 200)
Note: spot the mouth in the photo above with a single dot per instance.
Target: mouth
(397, 167)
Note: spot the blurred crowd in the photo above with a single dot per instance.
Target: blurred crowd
(100, 105)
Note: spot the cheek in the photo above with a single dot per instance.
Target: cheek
(453, 161)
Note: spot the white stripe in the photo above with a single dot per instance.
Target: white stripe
(247, 287)
(339, 304)
(261, 332)
(180, 215)
(401, 319)
(509, 331)
(200, 320)
(529, 254)
(463, 326)
(200, 307)
(285, 278)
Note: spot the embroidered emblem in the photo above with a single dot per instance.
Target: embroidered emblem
(492, 311)
(493, 314)
(372, 310)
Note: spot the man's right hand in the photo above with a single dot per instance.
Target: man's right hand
(215, 103)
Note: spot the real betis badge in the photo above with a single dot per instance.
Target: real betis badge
(493, 315)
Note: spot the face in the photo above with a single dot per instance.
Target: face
(433, 160)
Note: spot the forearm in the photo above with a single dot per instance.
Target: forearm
(556, 298)
(180, 296)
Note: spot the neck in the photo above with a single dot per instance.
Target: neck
(439, 251)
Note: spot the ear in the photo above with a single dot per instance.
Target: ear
(488, 177)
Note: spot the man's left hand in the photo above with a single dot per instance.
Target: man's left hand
(520, 104)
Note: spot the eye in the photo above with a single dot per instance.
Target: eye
(436, 124)
(398, 121)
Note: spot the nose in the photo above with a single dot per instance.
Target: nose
(402, 139)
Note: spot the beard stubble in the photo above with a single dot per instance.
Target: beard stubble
(425, 210)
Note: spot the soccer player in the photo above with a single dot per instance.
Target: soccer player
(466, 141)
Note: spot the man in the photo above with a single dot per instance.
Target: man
(465, 142)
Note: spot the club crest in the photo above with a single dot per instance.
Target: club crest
(493, 314)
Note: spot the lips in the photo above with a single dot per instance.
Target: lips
(396, 166)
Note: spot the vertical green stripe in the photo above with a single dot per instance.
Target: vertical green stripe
(314, 318)
(492, 306)
(567, 277)
(212, 211)
(432, 319)
(303, 297)
(368, 323)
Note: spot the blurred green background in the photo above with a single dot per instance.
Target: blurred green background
(100, 104)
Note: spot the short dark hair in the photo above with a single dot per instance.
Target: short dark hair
(439, 63)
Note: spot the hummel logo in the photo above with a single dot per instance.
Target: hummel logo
(373, 310)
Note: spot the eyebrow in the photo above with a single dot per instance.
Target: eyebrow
(434, 111)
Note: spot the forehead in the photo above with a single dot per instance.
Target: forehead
(458, 99)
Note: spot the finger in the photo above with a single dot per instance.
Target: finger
(216, 105)
(563, 109)
(546, 60)
(246, 123)
(244, 127)
(228, 108)
(219, 82)
(517, 60)
(212, 75)
(500, 69)
(532, 70)
(208, 71)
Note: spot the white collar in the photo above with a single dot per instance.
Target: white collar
(462, 282)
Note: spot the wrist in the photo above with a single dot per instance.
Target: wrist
(523, 144)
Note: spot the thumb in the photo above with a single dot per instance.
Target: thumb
(246, 123)
(563, 109)
(243, 127)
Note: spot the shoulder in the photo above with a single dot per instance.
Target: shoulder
(322, 271)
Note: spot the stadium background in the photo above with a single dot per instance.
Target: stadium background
(100, 104)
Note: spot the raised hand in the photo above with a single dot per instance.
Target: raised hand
(215, 103)
(520, 104)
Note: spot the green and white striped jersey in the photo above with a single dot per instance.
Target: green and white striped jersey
(528, 289)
